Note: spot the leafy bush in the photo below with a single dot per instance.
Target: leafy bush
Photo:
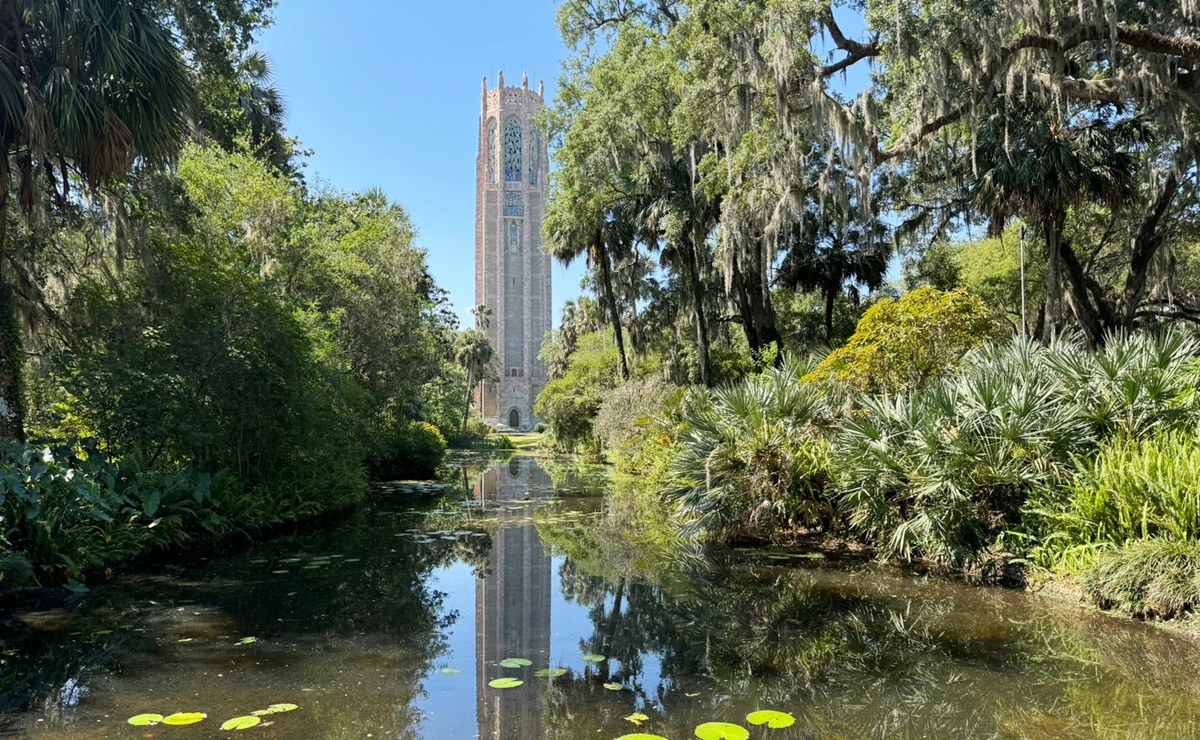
(945, 471)
(569, 404)
(905, 344)
(624, 407)
(1138, 489)
(414, 450)
(1145, 577)
(942, 472)
(70, 513)
(752, 456)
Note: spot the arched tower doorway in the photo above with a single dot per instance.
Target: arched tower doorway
(514, 419)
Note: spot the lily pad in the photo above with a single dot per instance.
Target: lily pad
(241, 723)
(722, 731)
(184, 718)
(637, 718)
(613, 686)
(451, 671)
(641, 736)
(516, 662)
(279, 708)
(145, 720)
(551, 672)
(770, 718)
(247, 641)
(593, 658)
(505, 683)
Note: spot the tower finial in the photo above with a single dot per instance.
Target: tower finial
(524, 81)
(541, 88)
(485, 83)
(500, 82)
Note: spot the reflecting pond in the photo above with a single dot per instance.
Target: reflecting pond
(396, 621)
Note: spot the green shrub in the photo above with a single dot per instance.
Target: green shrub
(71, 513)
(633, 402)
(415, 449)
(751, 457)
(569, 404)
(15, 571)
(1139, 489)
(941, 472)
(903, 345)
(1146, 578)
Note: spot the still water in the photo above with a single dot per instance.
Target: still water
(393, 622)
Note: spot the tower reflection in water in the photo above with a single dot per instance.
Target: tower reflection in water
(512, 603)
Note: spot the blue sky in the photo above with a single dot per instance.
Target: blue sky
(386, 94)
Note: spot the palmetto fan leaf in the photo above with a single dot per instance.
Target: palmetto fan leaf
(90, 85)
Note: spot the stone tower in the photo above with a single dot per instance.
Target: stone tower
(512, 269)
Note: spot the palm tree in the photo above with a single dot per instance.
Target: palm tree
(1032, 164)
(831, 250)
(474, 353)
(86, 90)
(483, 317)
(262, 107)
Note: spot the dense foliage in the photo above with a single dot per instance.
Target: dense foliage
(193, 340)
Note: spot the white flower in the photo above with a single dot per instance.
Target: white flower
(47, 456)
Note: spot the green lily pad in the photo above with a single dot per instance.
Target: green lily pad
(451, 671)
(550, 672)
(641, 736)
(241, 723)
(278, 708)
(593, 658)
(505, 683)
(516, 662)
(613, 686)
(247, 641)
(770, 718)
(145, 720)
(722, 731)
(184, 718)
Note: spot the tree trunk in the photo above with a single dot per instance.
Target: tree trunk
(1093, 318)
(830, 299)
(1145, 246)
(692, 262)
(614, 313)
(1052, 230)
(467, 405)
(12, 412)
(754, 304)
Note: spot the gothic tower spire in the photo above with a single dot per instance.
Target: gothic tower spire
(512, 268)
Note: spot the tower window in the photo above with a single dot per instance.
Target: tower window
(535, 156)
(491, 151)
(514, 235)
(512, 152)
(514, 204)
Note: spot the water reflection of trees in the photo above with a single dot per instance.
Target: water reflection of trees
(313, 629)
(856, 652)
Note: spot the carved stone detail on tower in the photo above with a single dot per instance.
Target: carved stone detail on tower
(512, 268)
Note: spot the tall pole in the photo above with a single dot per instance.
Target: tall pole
(1024, 322)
